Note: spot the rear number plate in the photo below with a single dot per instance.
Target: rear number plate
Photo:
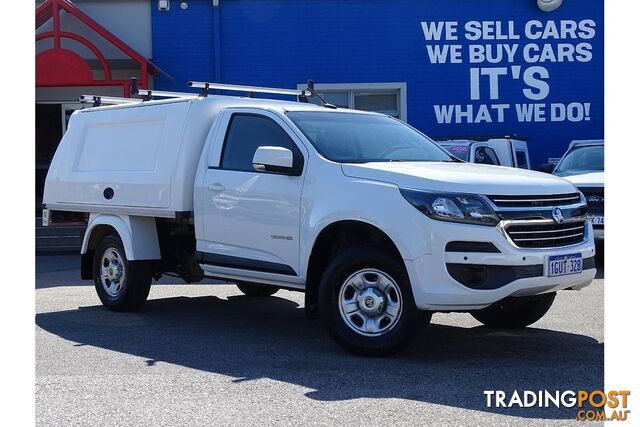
(561, 265)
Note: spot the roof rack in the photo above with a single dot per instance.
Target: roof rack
(108, 100)
(205, 87)
(141, 95)
(148, 94)
(137, 96)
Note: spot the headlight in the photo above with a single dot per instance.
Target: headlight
(583, 198)
(455, 207)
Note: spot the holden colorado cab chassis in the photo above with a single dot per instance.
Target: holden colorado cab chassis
(372, 220)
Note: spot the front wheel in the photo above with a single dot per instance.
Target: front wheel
(366, 303)
(121, 285)
(515, 312)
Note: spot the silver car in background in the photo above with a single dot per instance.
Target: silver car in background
(583, 166)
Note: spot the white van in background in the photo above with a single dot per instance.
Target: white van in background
(490, 151)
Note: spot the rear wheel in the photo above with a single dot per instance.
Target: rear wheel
(366, 303)
(256, 290)
(515, 312)
(121, 285)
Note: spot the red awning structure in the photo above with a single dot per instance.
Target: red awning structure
(58, 66)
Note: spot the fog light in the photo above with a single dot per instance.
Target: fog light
(473, 276)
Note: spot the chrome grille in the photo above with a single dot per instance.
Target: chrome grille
(535, 201)
(545, 234)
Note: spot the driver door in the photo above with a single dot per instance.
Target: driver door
(251, 218)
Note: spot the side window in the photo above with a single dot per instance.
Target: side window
(521, 159)
(246, 133)
(486, 156)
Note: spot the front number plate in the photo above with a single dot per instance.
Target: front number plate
(561, 265)
(596, 219)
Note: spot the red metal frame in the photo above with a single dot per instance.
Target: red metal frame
(50, 73)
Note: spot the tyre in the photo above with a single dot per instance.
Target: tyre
(256, 290)
(366, 303)
(515, 312)
(121, 285)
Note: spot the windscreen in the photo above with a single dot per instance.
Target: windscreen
(362, 138)
(582, 160)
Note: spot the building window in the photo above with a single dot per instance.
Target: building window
(385, 98)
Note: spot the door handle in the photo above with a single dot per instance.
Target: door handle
(215, 187)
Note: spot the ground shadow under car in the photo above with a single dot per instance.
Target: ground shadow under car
(249, 339)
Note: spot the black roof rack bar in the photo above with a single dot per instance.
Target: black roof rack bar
(311, 88)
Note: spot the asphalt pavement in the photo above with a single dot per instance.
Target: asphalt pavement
(204, 354)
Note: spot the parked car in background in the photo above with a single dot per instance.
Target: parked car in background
(490, 151)
(583, 166)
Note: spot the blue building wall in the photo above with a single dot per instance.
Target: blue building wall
(285, 42)
(182, 42)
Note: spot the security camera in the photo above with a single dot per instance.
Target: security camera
(549, 5)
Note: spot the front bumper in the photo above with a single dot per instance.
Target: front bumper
(598, 234)
(435, 289)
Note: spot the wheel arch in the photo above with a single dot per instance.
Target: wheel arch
(139, 238)
(334, 237)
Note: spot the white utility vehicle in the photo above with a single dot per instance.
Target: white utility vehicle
(376, 223)
(504, 151)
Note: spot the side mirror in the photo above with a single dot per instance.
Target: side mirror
(274, 159)
(547, 167)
